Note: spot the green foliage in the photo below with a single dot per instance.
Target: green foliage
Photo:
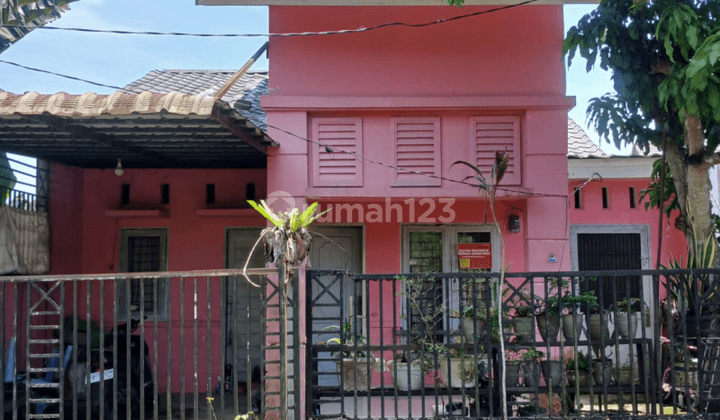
(691, 292)
(664, 57)
(533, 354)
(292, 220)
(583, 364)
(652, 192)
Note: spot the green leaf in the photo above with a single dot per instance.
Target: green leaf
(269, 215)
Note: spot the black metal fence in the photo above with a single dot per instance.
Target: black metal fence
(24, 182)
(198, 344)
(571, 344)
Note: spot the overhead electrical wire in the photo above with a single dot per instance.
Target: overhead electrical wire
(333, 149)
(288, 34)
(60, 75)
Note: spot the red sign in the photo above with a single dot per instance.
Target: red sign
(475, 255)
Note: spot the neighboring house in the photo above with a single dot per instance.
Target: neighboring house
(610, 228)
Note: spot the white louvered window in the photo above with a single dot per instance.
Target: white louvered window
(497, 134)
(331, 167)
(416, 142)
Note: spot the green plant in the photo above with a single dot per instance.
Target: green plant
(561, 298)
(349, 339)
(583, 364)
(629, 305)
(424, 317)
(533, 354)
(691, 293)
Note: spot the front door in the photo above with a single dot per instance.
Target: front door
(333, 302)
(243, 309)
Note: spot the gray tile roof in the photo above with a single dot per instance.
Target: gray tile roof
(580, 145)
(244, 96)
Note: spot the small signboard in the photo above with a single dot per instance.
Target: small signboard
(475, 255)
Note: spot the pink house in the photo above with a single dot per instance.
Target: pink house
(369, 124)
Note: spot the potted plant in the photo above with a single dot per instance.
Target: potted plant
(459, 370)
(473, 323)
(626, 374)
(572, 319)
(407, 373)
(578, 371)
(355, 364)
(522, 318)
(548, 313)
(553, 372)
(602, 371)
(530, 364)
(629, 313)
(513, 368)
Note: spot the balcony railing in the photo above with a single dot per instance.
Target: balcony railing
(28, 179)
(198, 344)
(598, 344)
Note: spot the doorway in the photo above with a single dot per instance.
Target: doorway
(243, 303)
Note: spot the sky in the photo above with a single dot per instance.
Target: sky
(120, 59)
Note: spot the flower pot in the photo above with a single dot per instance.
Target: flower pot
(602, 371)
(530, 373)
(458, 372)
(409, 376)
(572, 326)
(552, 371)
(355, 373)
(549, 326)
(596, 325)
(524, 329)
(581, 378)
(627, 324)
(512, 374)
(473, 329)
(626, 375)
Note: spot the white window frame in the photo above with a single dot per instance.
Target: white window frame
(450, 261)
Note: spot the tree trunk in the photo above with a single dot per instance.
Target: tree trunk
(692, 182)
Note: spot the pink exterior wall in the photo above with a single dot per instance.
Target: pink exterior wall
(500, 64)
(513, 52)
(85, 241)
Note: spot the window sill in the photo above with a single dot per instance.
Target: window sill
(227, 213)
(136, 213)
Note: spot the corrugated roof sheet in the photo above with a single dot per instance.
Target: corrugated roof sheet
(91, 104)
(244, 96)
(580, 145)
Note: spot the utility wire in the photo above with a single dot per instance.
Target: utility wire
(332, 149)
(288, 34)
(60, 75)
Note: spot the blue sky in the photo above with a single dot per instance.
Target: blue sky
(120, 59)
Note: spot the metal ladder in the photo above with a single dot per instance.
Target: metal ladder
(48, 389)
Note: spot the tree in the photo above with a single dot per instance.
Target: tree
(664, 58)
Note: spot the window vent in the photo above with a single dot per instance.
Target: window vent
(333, 168)
(417, 148)
(498, 134)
